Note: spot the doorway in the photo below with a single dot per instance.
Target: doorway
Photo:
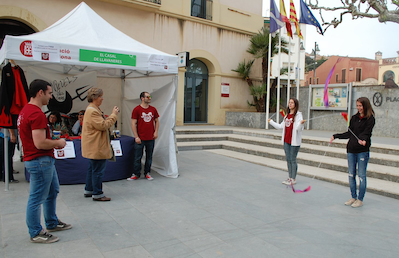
(196, 92)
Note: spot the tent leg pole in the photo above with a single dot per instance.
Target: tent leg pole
(6, 165)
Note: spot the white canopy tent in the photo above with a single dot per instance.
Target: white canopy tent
(82, 41)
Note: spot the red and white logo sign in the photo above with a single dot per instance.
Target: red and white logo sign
(45, 56)
(60, 153)
(26, 48)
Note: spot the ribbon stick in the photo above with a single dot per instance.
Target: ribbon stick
(327, 82)
(300, 191)
(345, 115)
(282, 112)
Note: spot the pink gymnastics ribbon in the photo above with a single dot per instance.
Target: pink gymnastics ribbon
(327, 82)
(299, 191)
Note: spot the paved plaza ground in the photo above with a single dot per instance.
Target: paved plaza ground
(218, 207)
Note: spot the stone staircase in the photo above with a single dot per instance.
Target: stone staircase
(316, 158)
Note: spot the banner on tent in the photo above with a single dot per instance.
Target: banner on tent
(69, 91)
(45, 52)
(106, 57)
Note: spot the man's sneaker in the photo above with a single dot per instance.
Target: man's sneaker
(293, 181)
(350, 201)
(149, 177)
(134, 177)
(357, 203)
(61, 226)
(287, 182)
(44, 238)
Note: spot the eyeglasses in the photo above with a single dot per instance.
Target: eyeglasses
(148, 97)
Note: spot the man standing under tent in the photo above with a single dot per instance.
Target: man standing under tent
(39, 161)
(145, 125)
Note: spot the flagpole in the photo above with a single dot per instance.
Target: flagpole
(278, 78)
(268, 80)
(289, 71)
(298, 67)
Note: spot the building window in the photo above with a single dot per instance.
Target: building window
(343, 75)
(202, 9)
(310, 80)
(358, 74)
(317, 81)
(336, 78)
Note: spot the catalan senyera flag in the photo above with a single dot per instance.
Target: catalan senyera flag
(294, 19)
(285, 18)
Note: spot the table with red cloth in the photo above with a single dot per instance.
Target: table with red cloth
(73, 170)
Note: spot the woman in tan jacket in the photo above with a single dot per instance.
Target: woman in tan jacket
(96, 144)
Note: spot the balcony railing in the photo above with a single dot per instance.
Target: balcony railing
(389, 60)
(154, 1)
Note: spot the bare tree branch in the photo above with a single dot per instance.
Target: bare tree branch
(359, 9)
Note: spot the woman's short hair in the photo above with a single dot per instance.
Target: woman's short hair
(93, 94)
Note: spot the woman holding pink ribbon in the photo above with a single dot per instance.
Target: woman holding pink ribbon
(292, 127)
(358, 148)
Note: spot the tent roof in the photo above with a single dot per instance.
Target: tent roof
(83, 40)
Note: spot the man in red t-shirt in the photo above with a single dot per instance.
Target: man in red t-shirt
(145, 127)
(39, 161)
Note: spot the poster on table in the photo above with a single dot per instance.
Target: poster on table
(67, 152)
(116, 145)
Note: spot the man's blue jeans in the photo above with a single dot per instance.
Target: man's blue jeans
(291, 152)
(138, 155)
(44, 188)
(94, 177)
(359, 160)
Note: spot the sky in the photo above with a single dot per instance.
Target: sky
(362, 37)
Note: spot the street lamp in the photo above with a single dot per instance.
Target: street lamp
(298, 77)
(315, 51)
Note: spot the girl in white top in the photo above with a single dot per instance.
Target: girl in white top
(292, 126)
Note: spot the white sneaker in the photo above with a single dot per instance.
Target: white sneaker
(149, 177)
(287, 182)
(293, 181)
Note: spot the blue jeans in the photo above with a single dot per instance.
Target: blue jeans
(94, 177)
(138, 155)
(44, 188)
(291, 152)
(359, 160)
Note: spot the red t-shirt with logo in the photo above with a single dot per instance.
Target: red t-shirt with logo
(32, 118)
(145, 121)
(289, 125)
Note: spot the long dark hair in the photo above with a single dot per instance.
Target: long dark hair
(367, 108)
(295, 109)
(57, 115)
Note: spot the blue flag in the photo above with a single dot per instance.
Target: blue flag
(308, 18)
(276, 22)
